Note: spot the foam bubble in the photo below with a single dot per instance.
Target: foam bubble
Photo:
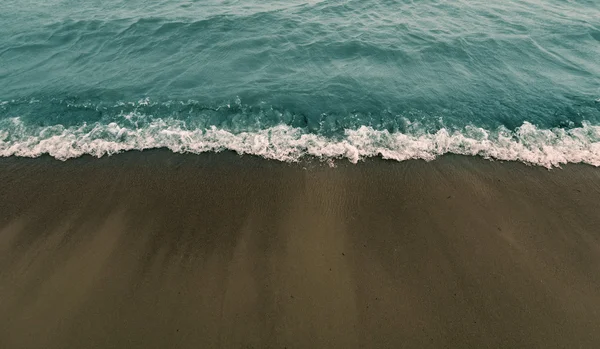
(529, 144)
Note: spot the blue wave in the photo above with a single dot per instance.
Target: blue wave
(321, 69)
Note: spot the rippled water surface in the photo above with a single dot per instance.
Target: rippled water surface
(513, 80)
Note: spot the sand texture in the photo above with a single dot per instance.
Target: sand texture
(155, 250)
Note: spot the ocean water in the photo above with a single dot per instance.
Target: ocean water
(349, 79)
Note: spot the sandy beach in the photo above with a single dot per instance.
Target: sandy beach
(156, 250)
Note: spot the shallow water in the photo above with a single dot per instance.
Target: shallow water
(513, 80)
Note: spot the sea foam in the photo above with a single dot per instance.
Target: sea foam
(529, 144)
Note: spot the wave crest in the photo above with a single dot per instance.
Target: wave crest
(529, 144)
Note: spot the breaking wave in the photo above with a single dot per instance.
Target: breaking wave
(527, 143)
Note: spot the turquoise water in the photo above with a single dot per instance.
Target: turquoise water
(511, 79)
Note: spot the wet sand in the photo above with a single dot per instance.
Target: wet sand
(155, 250)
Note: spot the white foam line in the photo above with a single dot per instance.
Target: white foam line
(544, 147)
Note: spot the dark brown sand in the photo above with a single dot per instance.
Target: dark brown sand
(155, 250)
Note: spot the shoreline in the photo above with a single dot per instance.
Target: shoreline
(155, 249)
